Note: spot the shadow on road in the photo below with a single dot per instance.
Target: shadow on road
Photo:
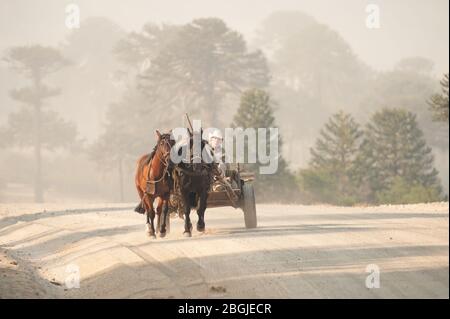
(293, 273)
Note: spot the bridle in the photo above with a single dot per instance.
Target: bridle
(164, 160)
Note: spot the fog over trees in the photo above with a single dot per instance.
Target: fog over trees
(32, 125)
(88, 106)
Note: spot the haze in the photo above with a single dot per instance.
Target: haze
(408, 27)
(413, 36)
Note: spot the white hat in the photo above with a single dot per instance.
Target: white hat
(216, 134)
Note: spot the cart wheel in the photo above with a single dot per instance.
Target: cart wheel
(249, 206)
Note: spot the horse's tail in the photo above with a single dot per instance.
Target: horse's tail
(140, 168)
(140, 208)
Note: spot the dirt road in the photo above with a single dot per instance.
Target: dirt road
(296, 252)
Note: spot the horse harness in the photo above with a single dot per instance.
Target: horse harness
(150, 188)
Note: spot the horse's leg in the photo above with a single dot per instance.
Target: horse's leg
(201, 211)
(187, 219)
(165, 210)
(150, 216)
(158, 214)
(167, 219)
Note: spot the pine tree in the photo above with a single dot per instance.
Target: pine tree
(35, 63)
(197, 67)
(395, 153)
(255, 111)
(337, 146)
(330, 177)
(439, 104)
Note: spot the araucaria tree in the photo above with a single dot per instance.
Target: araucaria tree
(255, 111)
(331, 175)
(32, 125)
(194, 68)
(396, 161)
(439, 102)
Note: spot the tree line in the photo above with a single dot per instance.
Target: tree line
(207, 69)
(387, 161)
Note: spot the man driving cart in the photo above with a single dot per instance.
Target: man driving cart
(215, 140)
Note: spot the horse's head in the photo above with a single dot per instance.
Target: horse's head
(197, 156)
(163, 145)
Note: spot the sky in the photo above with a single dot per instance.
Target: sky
(407, 27)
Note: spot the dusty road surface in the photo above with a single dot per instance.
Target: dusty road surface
(296, 252)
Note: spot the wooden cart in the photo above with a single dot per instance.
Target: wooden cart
(242, 196)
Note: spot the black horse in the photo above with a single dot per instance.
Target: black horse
(192, 182)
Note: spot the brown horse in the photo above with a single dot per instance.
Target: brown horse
(153, 181)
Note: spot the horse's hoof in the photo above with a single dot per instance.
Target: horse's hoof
(150, 232)
(201, 229)
(162, 235)
(187, 234)
(140, 209)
